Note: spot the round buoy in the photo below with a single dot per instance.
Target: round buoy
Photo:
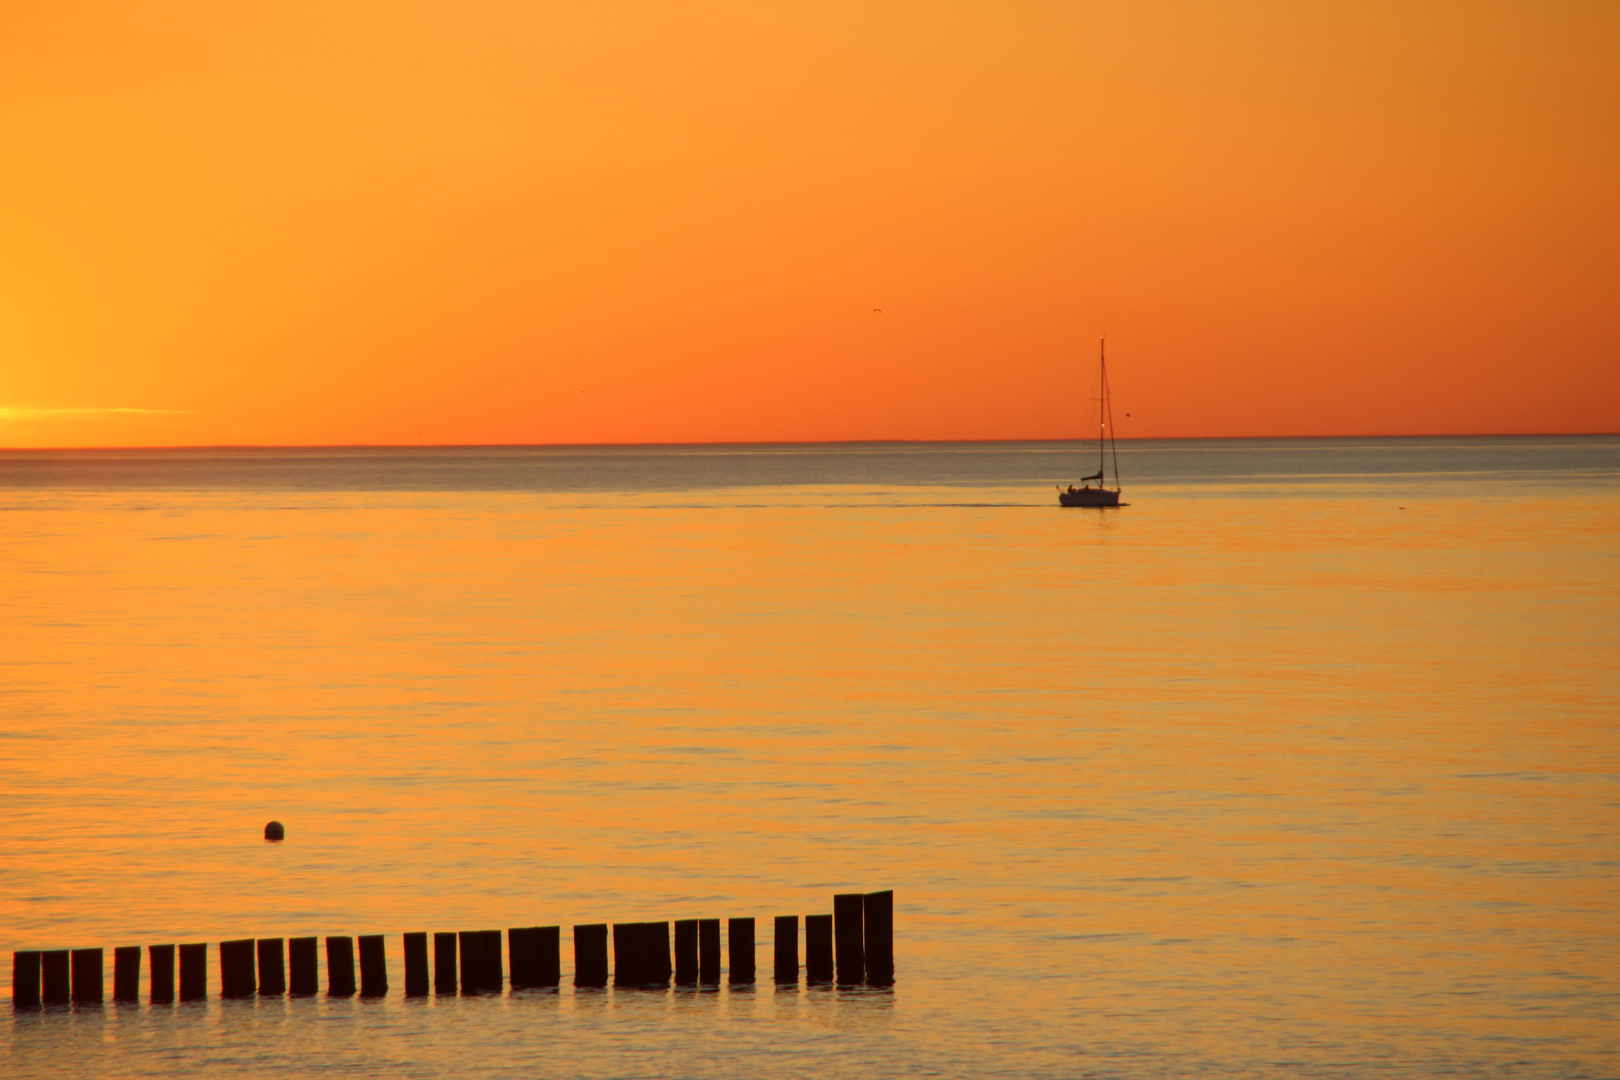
(274, 831)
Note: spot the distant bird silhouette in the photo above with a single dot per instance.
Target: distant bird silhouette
(877, 311)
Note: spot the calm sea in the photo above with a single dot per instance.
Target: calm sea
(1304, 763)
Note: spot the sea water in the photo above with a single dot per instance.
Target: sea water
(1304, 763)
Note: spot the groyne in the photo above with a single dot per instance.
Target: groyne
(852, 946)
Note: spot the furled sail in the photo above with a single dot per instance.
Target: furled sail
(1094, 476)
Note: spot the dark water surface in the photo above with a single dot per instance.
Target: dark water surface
(1305, 763)
(634, 470)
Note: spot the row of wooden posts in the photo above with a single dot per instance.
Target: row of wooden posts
(852, 946)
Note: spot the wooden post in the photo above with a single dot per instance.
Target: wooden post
(472, 962)
(416, 965)
(787, 950)
(339, 966)
(818, 948)
(655, 937)
(25, 979)
(444, 963)
(88, 981)
(194, 971)
(548, 963)
(237, 978)
(493, 968)
(481, 961)
(303, 962)
(629, 955)
(533, 951)
(373, 965)
(709, 952)
(847, 938)
(161, 958)
(590, 955)
(127, 973)
(88, 967)
(877, 913)
(740, 934)
(272, 967)
(55, 978)
(520, 952)
(686, 952)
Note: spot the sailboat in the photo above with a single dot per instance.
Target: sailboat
(1086, 495)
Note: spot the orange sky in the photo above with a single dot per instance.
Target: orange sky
(378, 221)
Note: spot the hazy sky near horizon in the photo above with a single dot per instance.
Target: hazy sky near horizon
(352, 221)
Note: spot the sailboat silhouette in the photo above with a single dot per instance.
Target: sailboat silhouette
(1086, 495)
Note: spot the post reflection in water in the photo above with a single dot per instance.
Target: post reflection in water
(1262, 775)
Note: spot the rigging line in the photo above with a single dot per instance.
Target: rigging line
(1102, 408)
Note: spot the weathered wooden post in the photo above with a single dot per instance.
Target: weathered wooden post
(740, 936)
(472, 962)
(818, 948)
(194, 971)
(25, 979)
(686, 952)
(481, 968)
(88, 976)
(533, 952)
(272, 967)
(655, 936)
(339, 966)
(787, 950)
(303, 963)
(416, 965)
(373, 965)
(127, 973)
(877, 913)
(444, 963)
(548, 962)
(520, 951)
(237, 979)
(847, 937)
(161, 958)
(56, 979)
(629, 955)
(709, 952)
(590, 955)
(493, 967)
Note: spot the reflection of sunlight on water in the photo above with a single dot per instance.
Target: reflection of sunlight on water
(1215, 783)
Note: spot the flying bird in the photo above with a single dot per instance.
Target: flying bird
(877, 311)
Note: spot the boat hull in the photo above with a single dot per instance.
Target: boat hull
(1088, 497)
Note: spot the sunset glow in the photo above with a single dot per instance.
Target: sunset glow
(391, 223)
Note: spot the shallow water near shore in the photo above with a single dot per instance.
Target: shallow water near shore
(1305, 763)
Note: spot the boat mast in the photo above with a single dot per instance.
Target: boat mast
(1102, 414)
